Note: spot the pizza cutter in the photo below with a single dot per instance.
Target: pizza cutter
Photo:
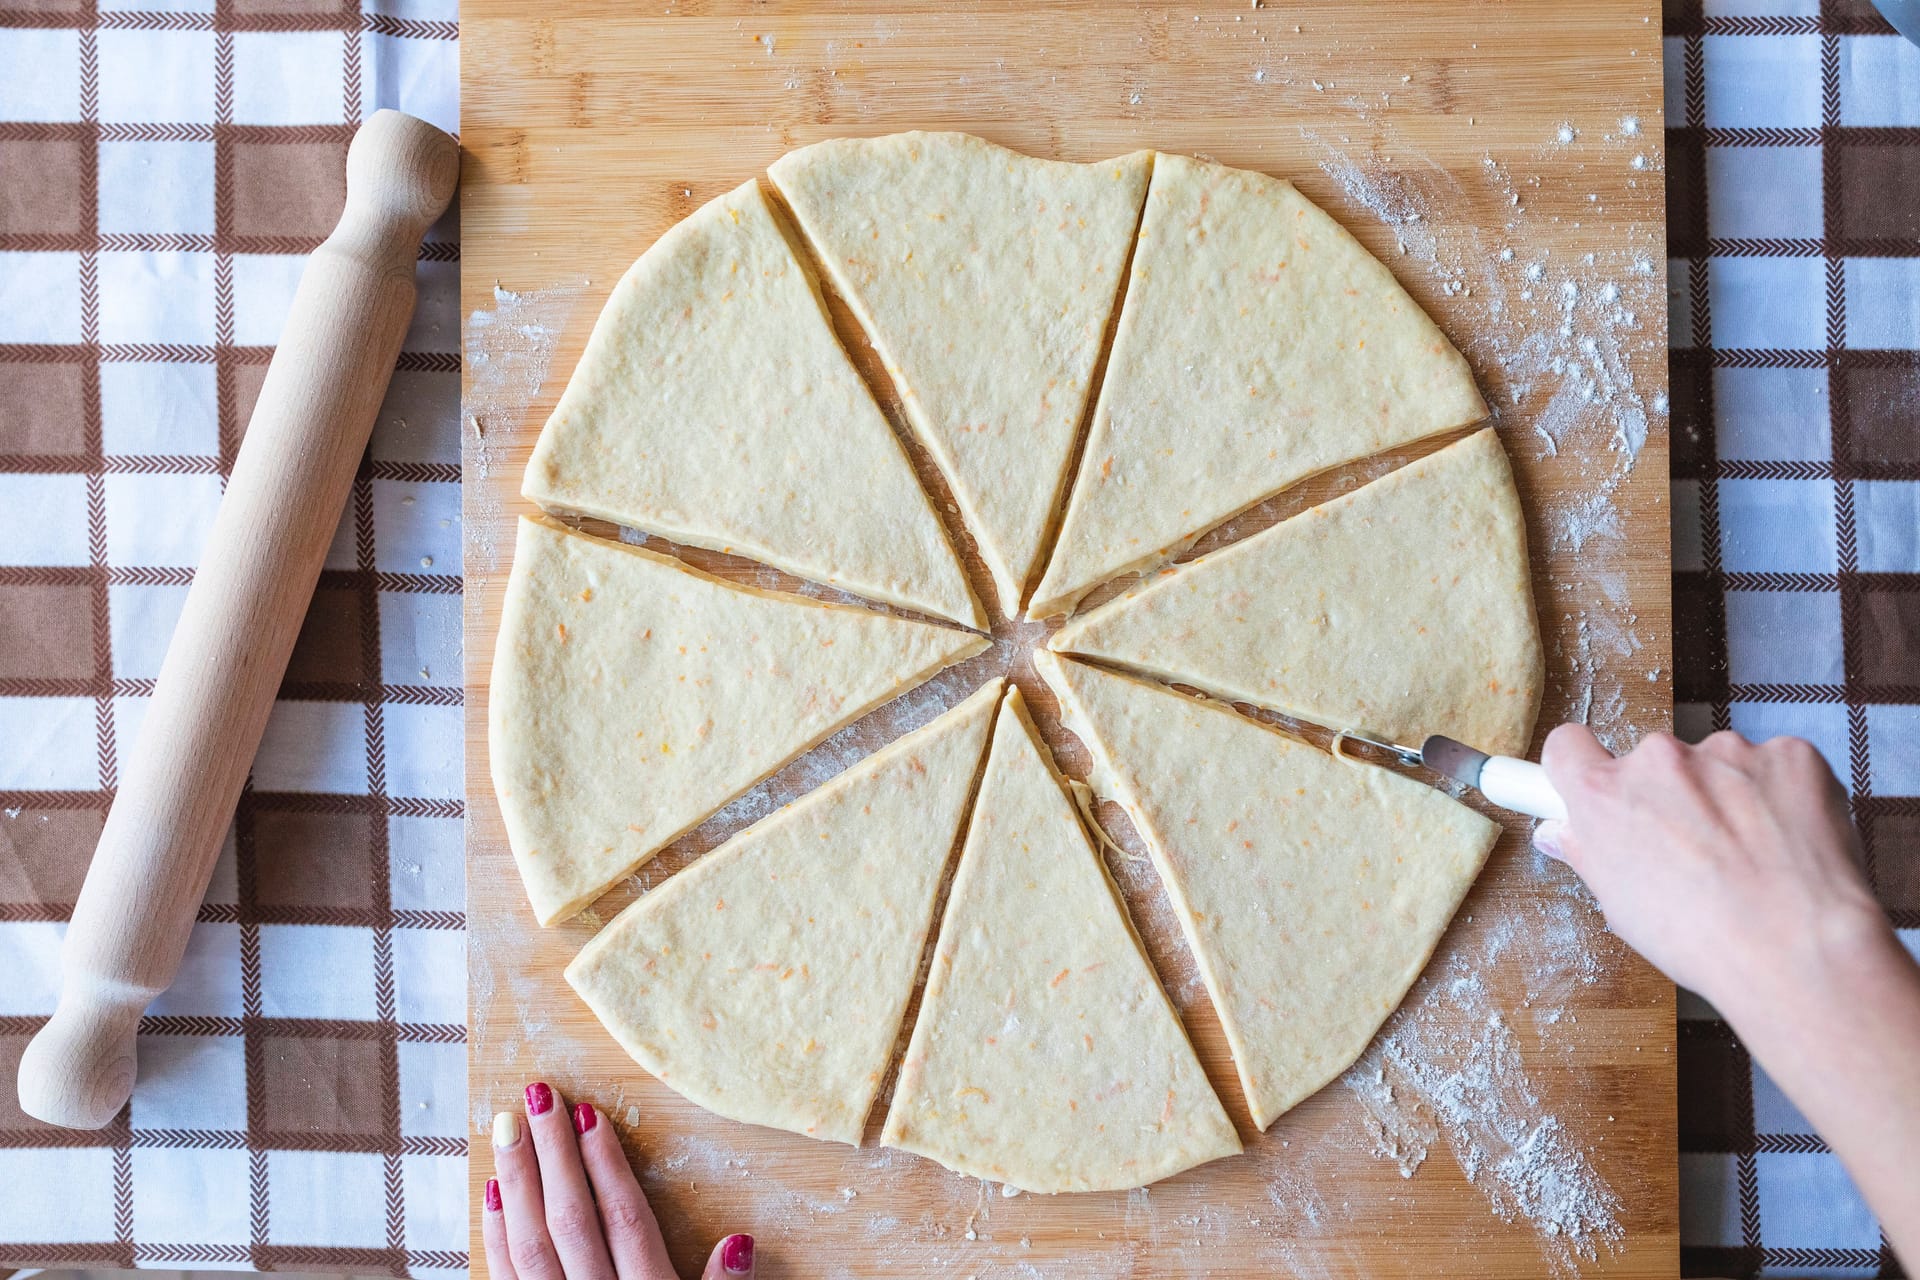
(1519, 785)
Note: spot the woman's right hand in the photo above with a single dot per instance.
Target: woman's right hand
(564, 1204)
(1731, 865)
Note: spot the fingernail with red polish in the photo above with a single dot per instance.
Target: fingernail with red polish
(736, 1255)
(493, 1195)
(539, 1099)
(583, 1117)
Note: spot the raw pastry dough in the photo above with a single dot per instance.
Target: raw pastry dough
(1311, 891)
(1403, 608)
(1259, 343)
(1046, 1056)
(633, 696)
(715, 406)
(766, 981)
(985, 279)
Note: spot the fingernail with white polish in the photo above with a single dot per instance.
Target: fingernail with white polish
(506, 1129)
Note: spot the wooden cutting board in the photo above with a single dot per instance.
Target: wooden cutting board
(1518, 1115)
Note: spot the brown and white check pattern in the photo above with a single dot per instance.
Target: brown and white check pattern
(164, 167)
(1793, 187)
(302, 1101)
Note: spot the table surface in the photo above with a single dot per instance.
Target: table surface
(1537, 1051)
(1793, 139)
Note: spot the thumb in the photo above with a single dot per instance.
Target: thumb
(1550, 838)
(733, 1256)
(1554, 838)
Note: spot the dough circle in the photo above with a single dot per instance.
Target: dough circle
(1254, 342)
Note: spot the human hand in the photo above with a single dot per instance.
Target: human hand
(566, 1206)
(1732, 866)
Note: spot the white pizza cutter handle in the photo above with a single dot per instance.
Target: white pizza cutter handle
(291, 478)
(1519, 785)
(1522, 786)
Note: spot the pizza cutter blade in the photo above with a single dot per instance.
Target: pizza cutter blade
(1519, 785)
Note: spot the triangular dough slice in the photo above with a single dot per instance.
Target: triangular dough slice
(766, 982)
(1259, 343)
(715, 406)
(985, 279)
(1046, 1056)
(1311, 891)
(1402, 608)
(633, 696)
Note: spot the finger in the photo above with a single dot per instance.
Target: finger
(1796, 759)
(633, 1234)
(1725, 746)
(731, 1257)
(493, 1232)
(573, 1224)
(1549, 837)
(1556, 838)
(1570, 749)
(521, 1204)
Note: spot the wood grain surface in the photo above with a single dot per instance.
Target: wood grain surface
(1483, 153)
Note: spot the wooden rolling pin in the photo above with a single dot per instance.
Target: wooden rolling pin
(229, 652)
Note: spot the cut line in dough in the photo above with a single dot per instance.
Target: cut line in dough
(1259, 343)
(985, 279)
(1311, 892)
(767, 981)
(633, 696)
(715, 406)
(1046, 1055)
(1401, 609)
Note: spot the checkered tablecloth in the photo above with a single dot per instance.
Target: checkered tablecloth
(302, 1099)
(1793, 231)
(164, 168)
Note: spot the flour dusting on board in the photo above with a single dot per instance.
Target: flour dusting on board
(507, 349)
(1549, 336)
(1450, 1067)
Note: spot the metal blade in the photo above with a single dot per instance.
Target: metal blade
(1405, 755)
(1456, 760)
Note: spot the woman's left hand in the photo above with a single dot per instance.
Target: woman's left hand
(566, 1206)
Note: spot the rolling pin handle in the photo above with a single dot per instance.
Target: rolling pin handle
(78, 1071)
(401, 172)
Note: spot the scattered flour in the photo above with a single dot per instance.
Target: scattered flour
(1551, 341)
(1552, 347)
(507, 350)
(1449, 1067)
